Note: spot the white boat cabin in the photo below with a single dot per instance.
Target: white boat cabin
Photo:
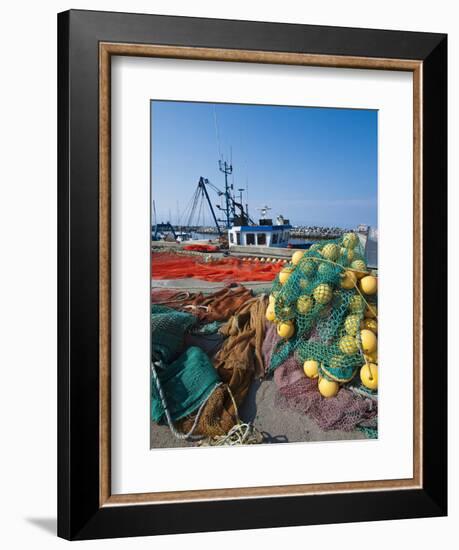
(259, 235)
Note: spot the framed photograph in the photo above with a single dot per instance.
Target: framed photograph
(252, 274)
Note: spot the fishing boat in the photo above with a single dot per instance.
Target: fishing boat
(234, 223)
(233, 229)
(265, 233)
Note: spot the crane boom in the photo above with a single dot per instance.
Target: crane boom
(202, 185)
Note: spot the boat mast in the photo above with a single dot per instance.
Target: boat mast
(227, 169)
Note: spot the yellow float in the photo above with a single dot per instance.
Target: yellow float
(304, 304)
(296, 256)
(370, 324)
(352, 324)
(311, 368)
(369, 284)
(369, 341)
(348, 345)
(284, 275)
(330, 251)
(328, 388)
(369, 376)
(323, 293)
(286, 329)
(350, 240)
(348, 280)
(356, 304)
(270, 315)
(360, 266)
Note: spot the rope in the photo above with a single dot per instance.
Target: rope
(180, 297)
(189, 435)
(363, 393)
(194, 308)
(242, 433)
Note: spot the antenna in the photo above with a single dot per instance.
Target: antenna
(247, 195)
(217, 134)
(263, 211)
(227, 169)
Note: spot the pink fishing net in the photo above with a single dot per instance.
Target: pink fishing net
(344, 412)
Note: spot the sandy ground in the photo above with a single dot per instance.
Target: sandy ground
(277, 424)
(197, 285)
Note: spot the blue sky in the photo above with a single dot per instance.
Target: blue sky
(314, 166)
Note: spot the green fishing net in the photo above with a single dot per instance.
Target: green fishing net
(186, 383)
(326, 317)
(168, 329)
(186, 377)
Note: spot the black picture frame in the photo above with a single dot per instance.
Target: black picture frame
(80, 515)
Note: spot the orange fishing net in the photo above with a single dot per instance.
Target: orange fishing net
(237, 362)
(218, 306)
(176, 266)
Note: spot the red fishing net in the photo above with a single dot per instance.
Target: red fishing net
(176, 266)
(344, 412)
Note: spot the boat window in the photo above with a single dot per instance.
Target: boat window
(231, 238)
(261, 239)
(238, 238)
(250, 238)
(275, 238)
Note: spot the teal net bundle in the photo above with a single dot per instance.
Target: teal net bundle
(168, 330)
(186, 378)
(186, 384)
(326, 318)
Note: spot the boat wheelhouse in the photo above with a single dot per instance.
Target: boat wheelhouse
(263, 234)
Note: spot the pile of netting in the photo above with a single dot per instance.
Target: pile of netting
(217, 306)
(195, 392)
(182, 379)
(167, 265)
(324, 307)
(296, 391)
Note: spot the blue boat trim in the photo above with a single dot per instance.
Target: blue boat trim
(261, 227)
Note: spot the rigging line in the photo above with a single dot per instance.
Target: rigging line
(201, 213)
(217, 133)
(187, 208)
(154, 213)
(214, 187)
(201, 216)
(193, 206)
(198, 219)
